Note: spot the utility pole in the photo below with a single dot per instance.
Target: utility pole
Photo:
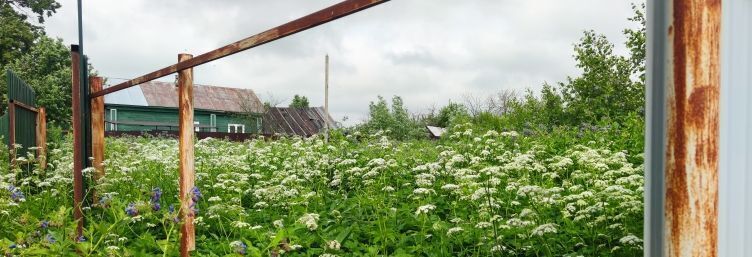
(326, 97)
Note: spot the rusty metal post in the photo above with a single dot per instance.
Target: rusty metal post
(78, 147)
(42, 138)
(187, 162)
(12, 132)
(683, 128)
(97, 128)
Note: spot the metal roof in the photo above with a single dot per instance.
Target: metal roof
(296, 121)
(164, 94)
(436, 131)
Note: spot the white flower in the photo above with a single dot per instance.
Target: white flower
(483, 224)
(450, 187)
(548, 228)
(333, 244)
(454, 230)
(310, 221)
(425, 209)
(215, 199)
(630, 240)
(278, 223)
(388, 189)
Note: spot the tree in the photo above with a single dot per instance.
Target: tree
(450, 113)
(17, 35)
(46, 68)
(299, 102)
(396, 120)
(500, 103)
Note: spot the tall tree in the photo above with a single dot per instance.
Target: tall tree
(46, 68)
(17, 34)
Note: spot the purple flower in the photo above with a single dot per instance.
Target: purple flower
(50, 239)
(131, 210)
(156, 206)
(195, 194)
(44, 224)
(171, 209)
(81, 239)
(156, 194)
(239, 247)
(13, 246)
(15, 194)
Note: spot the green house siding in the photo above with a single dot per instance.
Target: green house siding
(164, 115)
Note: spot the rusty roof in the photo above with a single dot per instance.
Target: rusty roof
(164, 94)
(303, 122)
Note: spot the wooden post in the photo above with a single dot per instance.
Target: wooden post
(97, 128)
(42, 138)
(187, 164)
(12, 132)
(78, 148)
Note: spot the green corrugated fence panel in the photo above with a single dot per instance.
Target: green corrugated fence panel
(25, 124)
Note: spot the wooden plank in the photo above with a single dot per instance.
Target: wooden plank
(187, 162)
(97, 128)
(78, 148)
(42, 138)
(25, 106)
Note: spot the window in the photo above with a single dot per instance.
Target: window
(258, 124)
(113, 118)
(235, 128)
(195, 126)
(213, 122)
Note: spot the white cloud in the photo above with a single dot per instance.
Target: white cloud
(425, 51)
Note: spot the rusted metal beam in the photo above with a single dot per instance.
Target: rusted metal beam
(187, 161)
(78, 147)
(25, 106)
(97, 129)
(41, 132)
(683, 141)
(309, 21)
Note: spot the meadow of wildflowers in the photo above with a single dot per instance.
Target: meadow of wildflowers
(473, 193)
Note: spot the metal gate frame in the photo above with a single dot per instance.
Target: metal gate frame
(88, 107)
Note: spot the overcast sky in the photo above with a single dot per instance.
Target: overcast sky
(427, 51)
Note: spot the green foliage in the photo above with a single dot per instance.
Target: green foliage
(16, 34)
(473, 193)
(43, 8)
(395, 122)
(452, 113)
(46, 68)
(299, 102)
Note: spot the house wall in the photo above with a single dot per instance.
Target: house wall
(170, 115)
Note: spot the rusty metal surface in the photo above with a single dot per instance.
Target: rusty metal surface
(309, 21)
(693, 95)
(78, 148)
(187, 162)
(304, 122)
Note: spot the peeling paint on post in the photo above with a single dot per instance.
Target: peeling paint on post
(78, 148)
(187, 162)
(692, 122)
(97, 129)
(42, 137)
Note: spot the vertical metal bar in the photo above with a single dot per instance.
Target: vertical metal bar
(187, 162)
(735, 192)
(97, 128)
(685, 68)
(12, 132)
(655, 128)
(42, 137)
(326, 97)
(78, 148)
(86, 113)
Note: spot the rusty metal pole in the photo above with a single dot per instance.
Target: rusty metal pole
(683, 128)
(78, 148)
(42, 137)
(187, 162)
(12, 132)
(97, 129)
